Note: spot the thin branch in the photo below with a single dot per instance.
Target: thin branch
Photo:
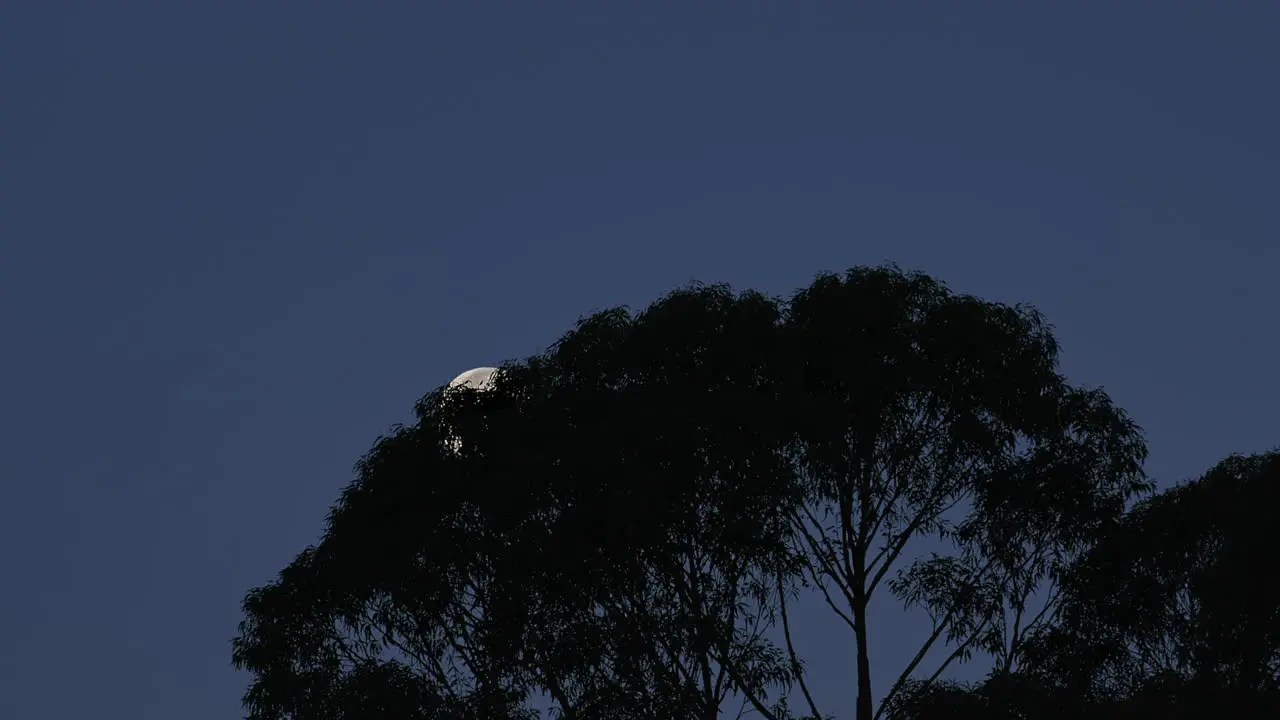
(757, 630)
(435, 666)
(471, 664)
(958, 651)
(791, 650)
(1046, 614)
(900, 489)
(936, 673)
(345, 650)
(832, 603)
(829, 569)
(1013, 635)
(923, 434)
(722, 673)
(756, 702)
(840, 573)
(938, 628)
(557, 693)
(673, 668)
(900, 543)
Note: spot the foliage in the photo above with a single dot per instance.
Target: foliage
(921, 412)
(590, 531)
(615, 528)
(1177, 590)
(1170, 614)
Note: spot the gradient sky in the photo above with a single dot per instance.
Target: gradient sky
(238, 240)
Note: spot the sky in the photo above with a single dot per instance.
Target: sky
(238, 240)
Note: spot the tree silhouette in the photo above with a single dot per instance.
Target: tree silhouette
(596, 529)
(924, 412)
(1170, 614)
(1176, 602)
(614, 527)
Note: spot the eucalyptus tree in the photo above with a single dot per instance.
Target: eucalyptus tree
(1171, 613)
(1178, 600)
(921, 412)
(595, 532)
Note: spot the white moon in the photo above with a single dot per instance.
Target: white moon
(480, 378)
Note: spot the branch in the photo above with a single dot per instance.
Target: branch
(832, 604)
(903, 478)
(1050, 604)
(791, 650)
(845, 583)
(839, 570)
(936, 673)
(900, 543)
(900, 489)
(751, 696)
(557, 693)
(915, 661)
(923, 434)
(434, 667)
(1013, 635)
(938, 629)
(957, 652)
(690, 586)
(725, 645)
(755, 632)
(470, 662)
(348, 653)
(674, 669)
(1019, 585)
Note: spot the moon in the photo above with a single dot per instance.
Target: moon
(480, 378)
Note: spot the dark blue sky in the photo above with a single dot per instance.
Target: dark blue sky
(238, 240)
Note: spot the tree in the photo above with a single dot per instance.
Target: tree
(615, 527)
(1175, 601)
(914, 405)
(1003, 696)
(1169, 614)
(596, 529)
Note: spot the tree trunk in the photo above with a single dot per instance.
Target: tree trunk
(864, 663)
(860, 597)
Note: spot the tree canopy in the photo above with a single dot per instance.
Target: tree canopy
(1170, 613)
(618, 526)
